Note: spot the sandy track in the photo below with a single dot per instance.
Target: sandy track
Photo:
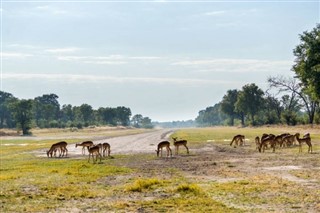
(131, 144)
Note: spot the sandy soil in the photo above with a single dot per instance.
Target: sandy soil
(131, 144)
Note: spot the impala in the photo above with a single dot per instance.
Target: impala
(61, 146)
(267, 140)
(106, 149)
(180, 143)
(85, 144)
(163, 144)
(306, 139)
(238, 140)
(95, 150)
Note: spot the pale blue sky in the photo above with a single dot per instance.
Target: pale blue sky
(165, 60)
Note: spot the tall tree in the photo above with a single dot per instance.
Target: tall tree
(87, 113)
(123, 115)
(5, 113)
(22, 113)
(228, 104)
(46, 109)
(307, 62)
(294, 87)
(250, 100)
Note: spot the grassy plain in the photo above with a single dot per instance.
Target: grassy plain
(213, 178)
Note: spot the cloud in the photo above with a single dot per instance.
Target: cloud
(16, 55)
(215, 13)
(63, 50)
(111, 59)
(79, 79)
(235, 65)
(51, 10)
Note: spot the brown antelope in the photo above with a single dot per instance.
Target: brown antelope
(289, 140)
(238, 140)
(94, 150)
(257, 141)
(61, 146)
(306, 139)
(106, 149)
(85, 144)
(163, 144)
(267, 140)
(179, 143)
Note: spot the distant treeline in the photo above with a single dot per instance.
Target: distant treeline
(296, 100)
(45, 112)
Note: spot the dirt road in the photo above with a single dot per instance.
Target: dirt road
(140, 143)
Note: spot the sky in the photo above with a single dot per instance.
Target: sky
(165, 60)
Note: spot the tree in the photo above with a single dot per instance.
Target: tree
(307, 62)
(123, 115)
(211, 116)
(87, 113)
(228, 104)
(250, 100)
(294, 87)
(22, 113)
(5, 113)
(137, 120)
(46, 109)
(146, 123)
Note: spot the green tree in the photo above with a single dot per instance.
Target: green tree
(22, 113)
(228, 104)
(123, 115)
(137, 120)
(146, 123)
(250, 100)
(6, 119)
(87, 113)
(211, 116)
(307, 62)
(46, 109)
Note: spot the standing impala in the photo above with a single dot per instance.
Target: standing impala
(85, 144)
(163, 144)
(61, 146)
(178, 143)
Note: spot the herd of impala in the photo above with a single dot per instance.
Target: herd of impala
(266, 140)
(282, 140)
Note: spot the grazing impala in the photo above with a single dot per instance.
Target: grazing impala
(85, 144)
(238, 140)
(95, 150)
(163, 144)
(306, 139)
(179, 143)
(106, 149)
(267, 140)
(61, 146)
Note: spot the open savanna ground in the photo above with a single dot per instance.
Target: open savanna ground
(214, 177)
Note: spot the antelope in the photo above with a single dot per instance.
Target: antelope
(85, 144)
(265, 141)
(289, 139)
(257, 140)
(238, 140)
(94, 150)
(163, 144)
(62, 146)
(106, 149)
(306, 139)
(179, 143)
